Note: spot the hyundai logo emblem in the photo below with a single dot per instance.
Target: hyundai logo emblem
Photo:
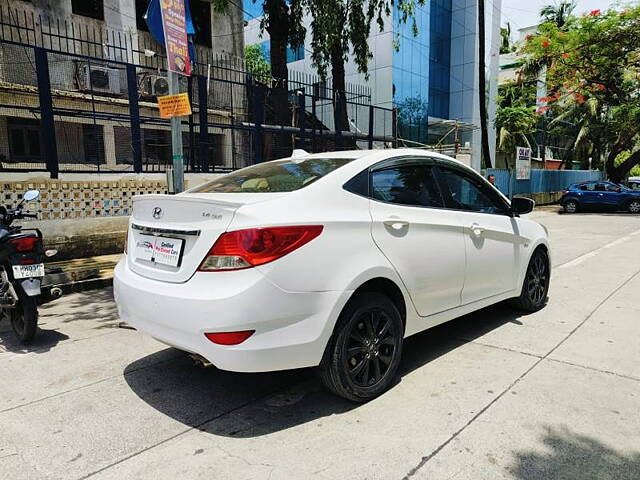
(157, 213)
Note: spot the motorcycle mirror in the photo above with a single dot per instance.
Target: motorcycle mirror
(30, 195)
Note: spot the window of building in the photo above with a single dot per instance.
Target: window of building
(93, 142)
(156, 146)
(124, 151)
(141, 9)
(25, 143)
(88, 8)
(201, 16)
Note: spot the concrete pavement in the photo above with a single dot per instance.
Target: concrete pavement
(495, 394)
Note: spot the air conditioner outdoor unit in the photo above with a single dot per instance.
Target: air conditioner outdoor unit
(159, 85)
(101, 79)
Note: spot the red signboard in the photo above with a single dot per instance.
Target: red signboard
(175, 36)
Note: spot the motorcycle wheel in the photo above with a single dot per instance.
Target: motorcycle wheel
(24, 319)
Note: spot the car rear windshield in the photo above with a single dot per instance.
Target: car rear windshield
(278, 176)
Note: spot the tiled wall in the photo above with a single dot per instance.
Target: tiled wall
(77, 199)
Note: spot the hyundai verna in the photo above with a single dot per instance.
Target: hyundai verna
(326, 260)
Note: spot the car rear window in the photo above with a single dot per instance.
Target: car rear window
(278, 176)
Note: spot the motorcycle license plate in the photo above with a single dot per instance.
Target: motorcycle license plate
(28, 271)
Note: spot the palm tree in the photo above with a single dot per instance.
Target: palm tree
(558, 13)
(505, 35)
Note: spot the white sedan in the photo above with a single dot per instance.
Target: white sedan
(327, 260)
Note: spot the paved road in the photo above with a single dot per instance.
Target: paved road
(493, 395)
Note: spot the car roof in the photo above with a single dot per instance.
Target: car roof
(380, 154)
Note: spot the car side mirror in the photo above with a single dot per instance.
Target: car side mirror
(522, 205)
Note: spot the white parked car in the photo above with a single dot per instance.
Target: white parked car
(327, 260)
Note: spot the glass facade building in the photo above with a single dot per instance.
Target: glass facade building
(421, 69)
(431, 78)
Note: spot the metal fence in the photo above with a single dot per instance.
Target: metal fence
(80, 98)
(540, 180)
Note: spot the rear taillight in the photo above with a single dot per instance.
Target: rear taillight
(229, 338)
(256, 246)
(564, 192)
(24, 244)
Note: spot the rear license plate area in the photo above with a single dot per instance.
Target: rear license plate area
(160, 250)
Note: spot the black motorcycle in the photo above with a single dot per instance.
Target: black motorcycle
(21, 269)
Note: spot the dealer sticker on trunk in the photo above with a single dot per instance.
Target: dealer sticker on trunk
(163, 250)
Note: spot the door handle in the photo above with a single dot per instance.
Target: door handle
(477, 230)
(396, 224)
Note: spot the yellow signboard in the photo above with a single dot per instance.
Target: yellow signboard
(174, 105)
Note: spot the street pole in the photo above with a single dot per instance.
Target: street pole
(176, 138)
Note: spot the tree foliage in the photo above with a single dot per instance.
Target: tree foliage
(515, 115)
(257, 64)
(342, 28)
(558, 13)
(595, 59)
(505, 39)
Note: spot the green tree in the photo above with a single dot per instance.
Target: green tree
(513, 125)
(282, 19)
(340, 30)
(505, 39)
(558, 13)
(257, 64)
(623, 157)
(597, 56)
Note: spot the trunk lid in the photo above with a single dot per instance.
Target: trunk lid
(169, 235)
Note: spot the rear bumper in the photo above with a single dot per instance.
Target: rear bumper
(291, 328)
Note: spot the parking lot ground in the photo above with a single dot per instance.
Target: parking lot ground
(493, 395)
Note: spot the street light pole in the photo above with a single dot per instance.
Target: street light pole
(176, 138)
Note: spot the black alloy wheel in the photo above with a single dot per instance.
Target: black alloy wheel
(536, 283)
(368, 351)
(362, 358)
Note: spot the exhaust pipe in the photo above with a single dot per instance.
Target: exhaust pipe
(56, 292)
(200, 361)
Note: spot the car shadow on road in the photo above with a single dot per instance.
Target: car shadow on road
(252, 405)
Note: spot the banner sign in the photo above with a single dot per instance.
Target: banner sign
(174, 105)
(175, 36)
(523, 163)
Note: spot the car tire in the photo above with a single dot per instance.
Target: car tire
(570, 206)
(535, 287)
(633, 206)
(362, 358)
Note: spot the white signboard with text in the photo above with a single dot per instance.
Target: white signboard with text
(523, 163)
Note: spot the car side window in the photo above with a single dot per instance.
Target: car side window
(411, 185)
(612, 187)
(463, 192)
(601, 187)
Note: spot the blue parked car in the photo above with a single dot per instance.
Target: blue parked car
(600, 195)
